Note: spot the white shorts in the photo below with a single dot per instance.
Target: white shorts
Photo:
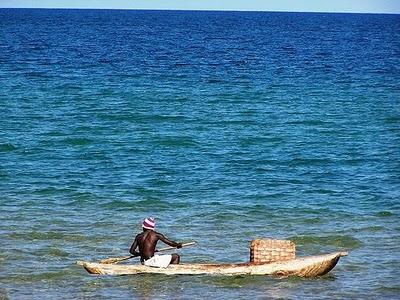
(159, 261)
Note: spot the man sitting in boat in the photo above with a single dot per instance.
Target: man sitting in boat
(147, 242)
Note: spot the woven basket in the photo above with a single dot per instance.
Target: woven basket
(268, 250)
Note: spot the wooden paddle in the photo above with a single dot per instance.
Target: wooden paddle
(115, 260)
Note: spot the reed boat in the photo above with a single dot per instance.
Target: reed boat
(309, 266)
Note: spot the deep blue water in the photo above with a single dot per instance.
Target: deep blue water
(225, 126)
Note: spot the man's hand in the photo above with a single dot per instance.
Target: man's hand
(179, 246)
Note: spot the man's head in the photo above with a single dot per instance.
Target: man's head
(149, 223)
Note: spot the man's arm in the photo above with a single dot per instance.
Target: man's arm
(133, 247)
(169, 242)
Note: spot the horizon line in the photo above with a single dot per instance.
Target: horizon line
(206, 10)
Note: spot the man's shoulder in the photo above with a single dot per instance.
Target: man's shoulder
(149, 232)
(156, 233)
(139, 235)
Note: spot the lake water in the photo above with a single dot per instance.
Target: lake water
(224, 126)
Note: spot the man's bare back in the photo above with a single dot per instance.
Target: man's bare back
(147, 242)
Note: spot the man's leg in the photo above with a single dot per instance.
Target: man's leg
(175, 259)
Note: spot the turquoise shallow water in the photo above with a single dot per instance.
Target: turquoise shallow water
(224, 126)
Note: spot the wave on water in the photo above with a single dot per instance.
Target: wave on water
(77, 141)
(50, 190)
(3, 294)
(158, 118)
(144, 205)
(256, 140)
(393, 290)
(393, 120)
(53, 251)
(315, 220)
(384, 213)
(375, 228)
(339, 241)
(7, 147)
(41, 277)
(311, 123)
(118, 205)
(175, 141)
(46, 235)
(298, 162)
